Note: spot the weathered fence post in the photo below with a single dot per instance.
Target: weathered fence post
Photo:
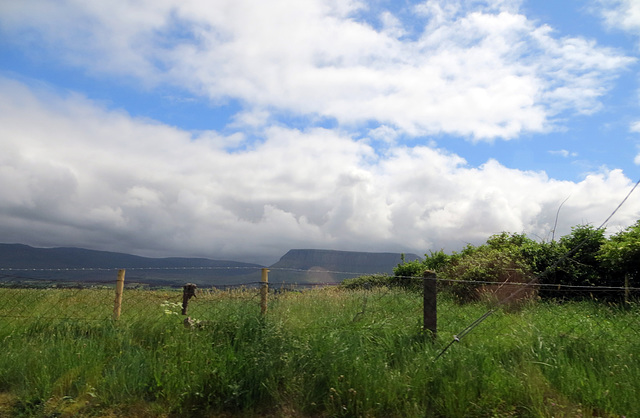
(117, 304)
(626, 289)
(264, 291)
(188, 292)
(430, 313)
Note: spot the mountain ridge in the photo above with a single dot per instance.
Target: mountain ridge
(21, 262)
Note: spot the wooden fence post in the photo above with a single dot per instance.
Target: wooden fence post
(117, 304)
(626, 289)
(430, 313)
(188, 292)
(264, 291)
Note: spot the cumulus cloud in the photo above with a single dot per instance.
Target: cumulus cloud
(479, 69)
(74, 173)
(621, 14)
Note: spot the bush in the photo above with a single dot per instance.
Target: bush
(487, 271)
(582, 258)
(367, 282)
(383, 280)
(434, 261)
(620, 257)
(573, 262)
(409, 269)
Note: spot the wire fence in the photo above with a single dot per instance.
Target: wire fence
(26, 297)
(31, 295)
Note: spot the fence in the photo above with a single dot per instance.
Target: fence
(56, 294)
(26, 298)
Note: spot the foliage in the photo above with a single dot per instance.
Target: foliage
(573, 262)
(372, 281)
(409, 274)
(434, 261)
(367, 282)
(501, 260)
(620, 255)
(584, 258)
(408, 269)
(582, 245)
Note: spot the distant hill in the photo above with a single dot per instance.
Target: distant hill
(82, 265)
(329, 266)
(23, 263)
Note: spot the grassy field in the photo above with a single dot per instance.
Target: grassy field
(322, 352)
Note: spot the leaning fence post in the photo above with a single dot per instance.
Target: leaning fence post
(117, 304)
(188, 292)
(264, 291)
(430, 313)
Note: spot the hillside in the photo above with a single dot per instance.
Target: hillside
(20, 262)
(83, 265)
(330, 266)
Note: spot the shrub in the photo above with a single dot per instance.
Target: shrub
(367, 282)
(408, 269)
(434, 261)
(620, 257)
(573, 262)
(488, 273)
(383, 280)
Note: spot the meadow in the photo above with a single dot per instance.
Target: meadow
(322, 352)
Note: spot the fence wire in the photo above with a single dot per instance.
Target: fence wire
(27, 298)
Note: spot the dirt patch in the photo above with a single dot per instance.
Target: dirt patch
(513, 291)
(7, 405)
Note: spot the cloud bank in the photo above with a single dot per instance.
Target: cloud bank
(86, 175)
(370, 89)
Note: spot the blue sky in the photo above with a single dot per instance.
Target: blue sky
(241, 129)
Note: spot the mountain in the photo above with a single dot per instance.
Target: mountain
(23, 263)
(330, 266)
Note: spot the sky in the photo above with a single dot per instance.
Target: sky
(240, 129)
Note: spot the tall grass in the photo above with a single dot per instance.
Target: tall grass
(323, 352)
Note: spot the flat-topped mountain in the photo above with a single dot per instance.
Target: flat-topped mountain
(329, 266)
(24, 263)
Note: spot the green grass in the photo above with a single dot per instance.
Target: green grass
(324, 352)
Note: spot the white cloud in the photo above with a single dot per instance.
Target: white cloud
(383, 133)
(479, 69)
(73, 173)
(563, 153)
(621, 14)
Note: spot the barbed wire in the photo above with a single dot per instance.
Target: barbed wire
(533, 283)
(62, 269)
(51, 269)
